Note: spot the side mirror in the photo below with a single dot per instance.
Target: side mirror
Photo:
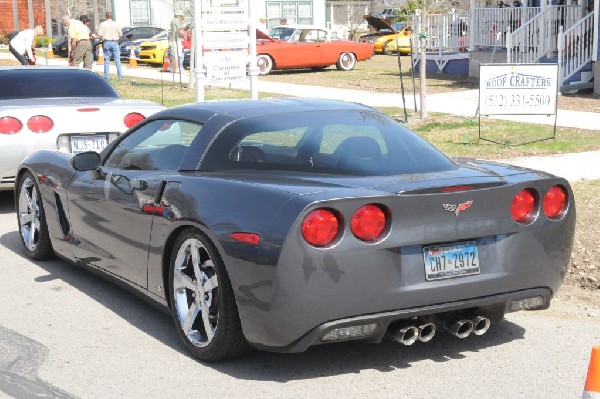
(89, 160)
(129, 35)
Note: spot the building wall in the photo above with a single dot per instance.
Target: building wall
(7, 13)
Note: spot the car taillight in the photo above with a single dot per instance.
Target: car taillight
(40, 124)
(320, 227)
(523, 206)
(10, 125)
(555, 202)
(133, 118)
(368, 222)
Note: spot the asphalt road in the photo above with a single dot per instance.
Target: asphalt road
(66, 333)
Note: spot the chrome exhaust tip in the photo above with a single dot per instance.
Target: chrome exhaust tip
(426, 332)
(461, 328)
(481, 325)
(407, 335)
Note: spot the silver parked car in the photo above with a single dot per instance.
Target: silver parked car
(59, 108)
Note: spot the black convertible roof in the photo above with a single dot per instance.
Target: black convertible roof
(237, 109)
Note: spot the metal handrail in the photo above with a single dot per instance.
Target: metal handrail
(575, 47)
(537, 37)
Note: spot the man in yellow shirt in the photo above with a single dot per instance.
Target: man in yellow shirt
(81, 47)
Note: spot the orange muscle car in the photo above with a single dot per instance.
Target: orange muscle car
(308, 47)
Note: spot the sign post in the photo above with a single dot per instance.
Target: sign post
(226, 43)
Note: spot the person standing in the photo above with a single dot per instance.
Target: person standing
(262, 25)
(175, 38)
(21, 46)
(81, 47)
(111, 32)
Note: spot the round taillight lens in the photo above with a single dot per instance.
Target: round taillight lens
(555, 202)
(40, 124)
(133, 118)
(320, 227)
(523, 206)
(10, 125)
(368, 222)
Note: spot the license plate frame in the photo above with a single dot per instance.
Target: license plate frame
(457, 259)
(98, 142)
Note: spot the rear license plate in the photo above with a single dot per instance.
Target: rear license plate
(88, 143)
(451, 260)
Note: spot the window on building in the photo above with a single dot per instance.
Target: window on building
(140, 12)
(294, 12)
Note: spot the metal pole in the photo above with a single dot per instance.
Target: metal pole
(253, 68)
(198, 51)
(15, 8)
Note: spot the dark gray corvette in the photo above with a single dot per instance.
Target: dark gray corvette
(287, 223)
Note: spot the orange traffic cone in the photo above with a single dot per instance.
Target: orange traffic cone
(132, 59)
(100, 59)
(166, 62)
(592, 382)
(49, 52)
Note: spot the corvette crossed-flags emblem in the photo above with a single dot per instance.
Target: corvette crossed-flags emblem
(457, 208)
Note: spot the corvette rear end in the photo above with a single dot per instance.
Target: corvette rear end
(419, 258)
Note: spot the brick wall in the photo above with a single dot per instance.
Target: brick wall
(7, 15)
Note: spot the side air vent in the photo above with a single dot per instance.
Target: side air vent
(62, 216)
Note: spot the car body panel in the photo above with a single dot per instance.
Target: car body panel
(394, 36)
(104, 217)
(153, 50)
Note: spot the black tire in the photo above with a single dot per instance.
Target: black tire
(386, 49)
(265, 63)
(209, 327)
(346, 62)
(33, 229)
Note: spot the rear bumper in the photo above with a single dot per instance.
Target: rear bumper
(493, 307)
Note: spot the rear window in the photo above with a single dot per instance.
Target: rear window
(334, 142)
(48, 83)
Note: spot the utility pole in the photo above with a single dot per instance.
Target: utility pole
(15, 8)
(422, 35)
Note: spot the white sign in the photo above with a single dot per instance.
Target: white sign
(225, 22)
(527, 89)
(225, 40)
(225, 66)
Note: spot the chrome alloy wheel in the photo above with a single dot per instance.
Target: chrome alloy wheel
(264, 64)
(346, 61)
(195, 292)
(29, 214)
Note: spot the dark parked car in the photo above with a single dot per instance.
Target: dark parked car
(286, 223)
(61, 47)
(139, 32)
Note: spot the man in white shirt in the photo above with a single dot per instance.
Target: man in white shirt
(21, 46)
(111, 32)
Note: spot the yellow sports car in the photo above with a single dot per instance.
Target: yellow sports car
(388, 38)
(153, 49)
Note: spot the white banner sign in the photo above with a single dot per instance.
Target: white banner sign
(528, 89)
(225, 66)
(225, 40)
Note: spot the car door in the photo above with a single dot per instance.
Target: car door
(111, 209)
(306, 51)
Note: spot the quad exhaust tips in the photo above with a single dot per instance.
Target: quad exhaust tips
(410, 333)
(464, 327)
